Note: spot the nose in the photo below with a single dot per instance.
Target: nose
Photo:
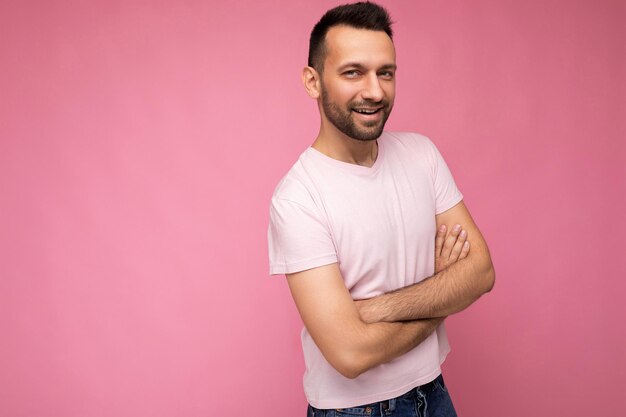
(372, 89)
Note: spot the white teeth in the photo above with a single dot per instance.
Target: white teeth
(366, 111)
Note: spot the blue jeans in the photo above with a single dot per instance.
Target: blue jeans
(429, 400)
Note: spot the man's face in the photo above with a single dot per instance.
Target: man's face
(358, 81)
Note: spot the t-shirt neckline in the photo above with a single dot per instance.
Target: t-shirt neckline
(350, 167)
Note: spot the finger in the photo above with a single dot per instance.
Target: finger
(465, 250)
(439, 239)
(458, 246)
(450, 241)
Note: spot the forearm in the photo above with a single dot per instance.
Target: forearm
(349, 344)
(445, 293)
(378, 343)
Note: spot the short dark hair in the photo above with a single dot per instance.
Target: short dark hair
(361, 15)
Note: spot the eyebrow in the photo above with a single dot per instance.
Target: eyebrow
(361, 66)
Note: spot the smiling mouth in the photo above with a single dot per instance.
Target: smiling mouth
(367, 111)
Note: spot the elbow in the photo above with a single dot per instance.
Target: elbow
(349, 364)
(490, 278)
(350, 373)
(351, 357)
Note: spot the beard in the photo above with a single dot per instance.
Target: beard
(342, 119)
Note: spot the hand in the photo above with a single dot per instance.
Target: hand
(451, 248)
(448, 250)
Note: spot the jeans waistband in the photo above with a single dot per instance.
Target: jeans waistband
(389, 404)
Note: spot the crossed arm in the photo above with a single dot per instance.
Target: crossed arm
(356, 336)
(452, 289)
(349, 344)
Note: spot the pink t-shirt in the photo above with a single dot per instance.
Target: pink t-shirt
(378, 223)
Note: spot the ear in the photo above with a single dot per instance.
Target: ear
(311, 81)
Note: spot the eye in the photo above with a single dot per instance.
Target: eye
(387, 75)
(351, 74)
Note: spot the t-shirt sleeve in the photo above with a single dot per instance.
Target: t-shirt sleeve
(298, 238)
(447, 194)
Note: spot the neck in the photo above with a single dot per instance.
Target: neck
(339, 146)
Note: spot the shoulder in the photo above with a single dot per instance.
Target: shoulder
(411, 140)
(410, 144)
(296, 187)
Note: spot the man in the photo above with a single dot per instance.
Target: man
(375, 217)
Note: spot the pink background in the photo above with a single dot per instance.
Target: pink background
(140, 143)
